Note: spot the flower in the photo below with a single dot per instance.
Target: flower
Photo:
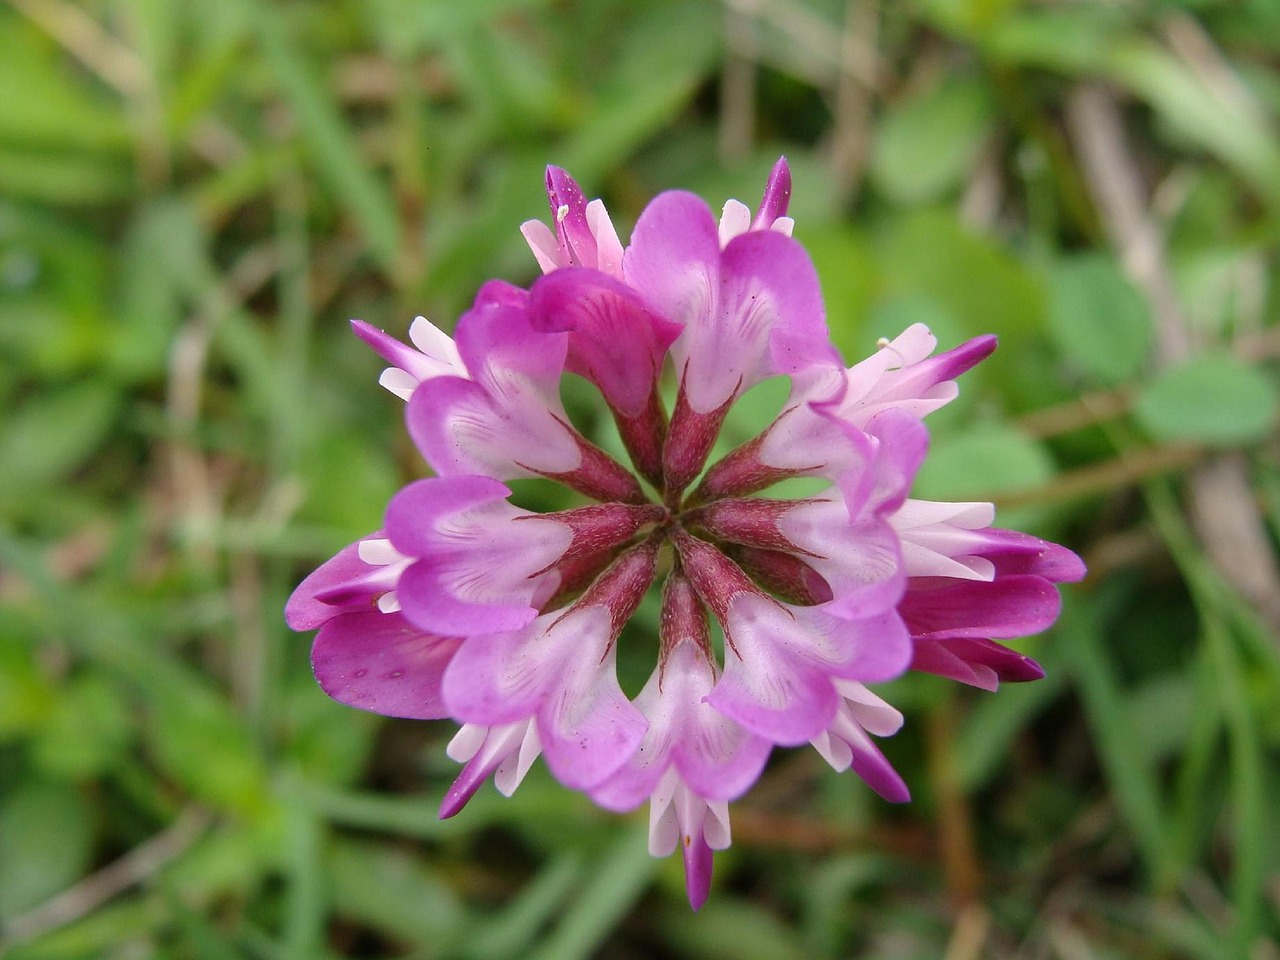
(508, 621)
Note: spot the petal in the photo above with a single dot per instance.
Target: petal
(480, 561)
(766, 318)
(305, 611)
(860, 562)
(766, 686)
(499, 679)
(674, 256)
(1013, 552)
(381, 662)
(587, 725)
(977, 662)
(1014, 606)
(499, 344)
(615, 340)
(777, 195)
(495, 752)
(463, 429)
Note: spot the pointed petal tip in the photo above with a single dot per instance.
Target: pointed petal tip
(1025, 671)
(459, 794)
(698, 863)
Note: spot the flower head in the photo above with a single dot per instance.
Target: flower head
(508, 621)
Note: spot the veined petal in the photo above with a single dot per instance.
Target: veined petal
(463, 429)
(860, 560)
(777, 196)
(764, 318)
(615, 340)
(381, 662)
(588, 726)
(780, 663)
(1013, 606)
(479, 562)
(345, 579)
(583, 233)
(718, 758)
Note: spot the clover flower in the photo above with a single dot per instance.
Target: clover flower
(468, 607)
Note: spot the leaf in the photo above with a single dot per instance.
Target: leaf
(200, 741)
(46, 838)
(1098, 320)
(50, 435)
(981, 461)
(970, 275)
(87, 732)
(1214, 399)
(925, 147)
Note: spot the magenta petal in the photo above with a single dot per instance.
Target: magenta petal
(305, 611)
(381, 662)
(878, 773)
(390, 349)
(428, 600)
(785, 702)
(577, 243)
(902, 442)
(918, 379)
(977, 662)
(462, 429)
(1015, 606)
(478, 568)
(699, 860)
(1020, 553)
(674, 255)
(496, 337)
(777, 195)
(615, 340)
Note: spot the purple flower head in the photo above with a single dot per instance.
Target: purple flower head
(508, 621)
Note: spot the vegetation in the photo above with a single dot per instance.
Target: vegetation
(194, 199)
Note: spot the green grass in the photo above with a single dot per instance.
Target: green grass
(195, 198)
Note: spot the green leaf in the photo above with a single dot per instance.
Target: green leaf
(46, 838)
(1214, 399)
(88, 730)
(970, 275)
(1098, 320)
(981, 461)
(925, 147)
(51, 435)
(201, 742)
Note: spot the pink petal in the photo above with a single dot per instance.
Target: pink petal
(304, 611)
(1014, 606)
(615, 340)
(589, 728)
(777, 195)
(765, 686)
(498, 679)
(479, 560)
(381, 662)
(977, 662)
(463, 429)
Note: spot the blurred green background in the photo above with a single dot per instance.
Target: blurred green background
(194, 199)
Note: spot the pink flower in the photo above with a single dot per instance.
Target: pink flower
(507, 621)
